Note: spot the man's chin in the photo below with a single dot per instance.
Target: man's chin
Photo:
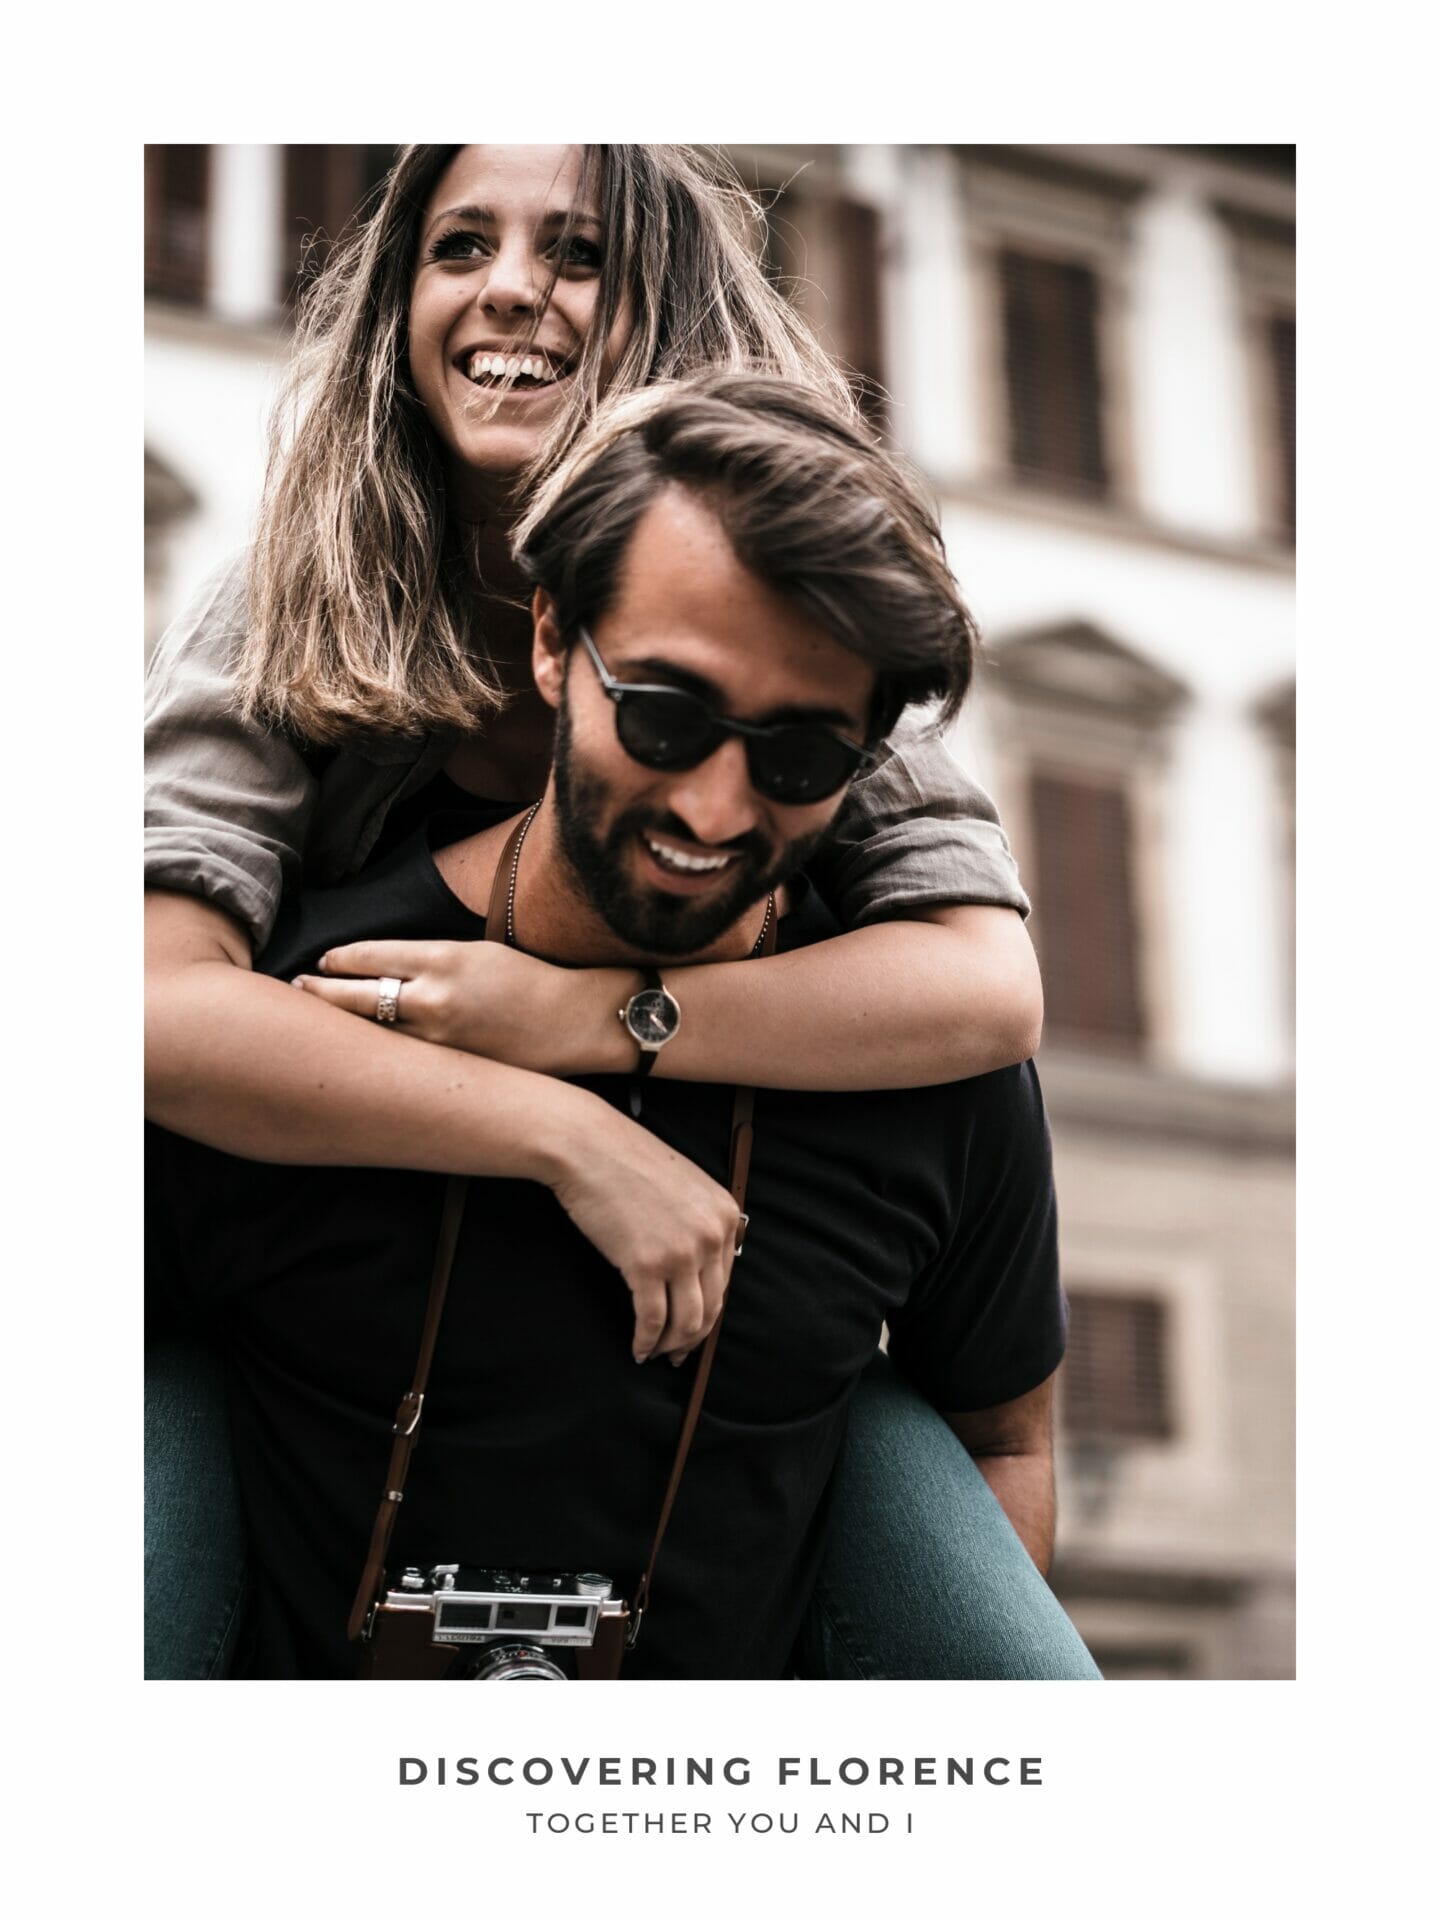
(676, 925)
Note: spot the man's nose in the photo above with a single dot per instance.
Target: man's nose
(516, 282)
(716, 800)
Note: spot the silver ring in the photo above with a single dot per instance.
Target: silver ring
(387, 1007)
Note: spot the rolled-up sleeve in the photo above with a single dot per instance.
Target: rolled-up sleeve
(917, 832)
(227, 804)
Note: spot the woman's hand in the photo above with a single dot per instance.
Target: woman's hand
(482, 997)
(669, 1228)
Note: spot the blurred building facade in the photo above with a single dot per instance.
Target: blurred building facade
(1089, 352)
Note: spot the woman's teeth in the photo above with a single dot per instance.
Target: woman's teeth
(677, 862)
(498, 366)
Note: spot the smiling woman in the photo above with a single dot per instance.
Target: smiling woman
(369, 666)
(506, 286)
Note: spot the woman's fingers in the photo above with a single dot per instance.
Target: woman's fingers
(651, 1304)
(353, 996)
(686, 1319)
(399, 959)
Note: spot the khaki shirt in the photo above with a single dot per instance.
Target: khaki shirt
(235, 812)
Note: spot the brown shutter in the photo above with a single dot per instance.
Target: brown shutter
(1280, 338)
(1050, 315)
(1115, 1382)
(323, 188)
(1085, 916)
(177, 222)
(857, 300)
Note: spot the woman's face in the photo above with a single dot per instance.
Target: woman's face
(492, 286)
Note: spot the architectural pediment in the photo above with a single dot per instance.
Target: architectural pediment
(1276, 713)
(167, 497)
(1074, 664)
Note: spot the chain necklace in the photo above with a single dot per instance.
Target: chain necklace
(764, 926)
(510, 940)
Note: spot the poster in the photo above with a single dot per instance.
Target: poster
(1145, 1780)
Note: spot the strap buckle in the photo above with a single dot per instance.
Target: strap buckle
(405, 1424)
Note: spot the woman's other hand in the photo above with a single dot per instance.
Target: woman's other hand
(669, 1228)
(481, 997)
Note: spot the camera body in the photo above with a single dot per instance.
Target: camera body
(449, 1622)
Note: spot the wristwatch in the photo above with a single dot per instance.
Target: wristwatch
(650, 1017)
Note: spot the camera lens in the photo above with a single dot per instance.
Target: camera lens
(515, 1662)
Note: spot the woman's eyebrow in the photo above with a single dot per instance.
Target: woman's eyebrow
(486, 217)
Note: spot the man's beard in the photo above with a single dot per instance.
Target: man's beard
(643, 917)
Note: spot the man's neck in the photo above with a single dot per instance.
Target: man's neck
(552, 916)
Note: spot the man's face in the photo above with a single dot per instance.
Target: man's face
(671, 859)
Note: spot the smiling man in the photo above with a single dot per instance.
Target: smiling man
(735, 598)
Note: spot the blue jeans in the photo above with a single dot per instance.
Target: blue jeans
(194, 1533)
(923, 1577)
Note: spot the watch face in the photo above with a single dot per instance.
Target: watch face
(653, 1017)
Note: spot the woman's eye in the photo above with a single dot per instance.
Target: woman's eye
(458, 245)
(579, 252)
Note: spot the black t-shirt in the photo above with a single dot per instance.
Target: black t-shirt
(544, 1445)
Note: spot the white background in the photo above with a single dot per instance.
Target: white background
(1176, 1799)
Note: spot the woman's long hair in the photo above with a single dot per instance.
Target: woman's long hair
(362, 612)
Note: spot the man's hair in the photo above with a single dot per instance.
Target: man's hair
(809, 500)
(362, 620)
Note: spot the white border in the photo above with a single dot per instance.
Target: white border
(1157, 1797)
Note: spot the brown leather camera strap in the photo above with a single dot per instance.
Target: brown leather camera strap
(407, 1416)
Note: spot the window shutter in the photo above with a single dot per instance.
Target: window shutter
(177, 222)
(862, 343)
(1280, 338)
(1115, 1381)
(1085, 911)
(1050, 315)
(323, 187)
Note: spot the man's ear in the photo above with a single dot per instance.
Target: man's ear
(547, 656)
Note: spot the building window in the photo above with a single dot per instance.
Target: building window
(177, 222)
(1087, 926)
(1115, 1380)
(1051, 244)
(823, 249)
(1053, 383)
(325, 187)
(1280, 340)
(1263, 255)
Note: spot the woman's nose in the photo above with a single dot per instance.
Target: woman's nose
(514, 282)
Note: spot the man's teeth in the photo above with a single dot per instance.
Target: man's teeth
(499, 366)
(679, 862)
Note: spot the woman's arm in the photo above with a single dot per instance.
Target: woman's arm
(920, 991)
(904, 1003)
(246, 1064)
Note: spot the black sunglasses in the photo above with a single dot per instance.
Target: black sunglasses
(671, 730)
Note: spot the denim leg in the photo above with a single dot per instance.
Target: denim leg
(194, 1534)
(923, 1577)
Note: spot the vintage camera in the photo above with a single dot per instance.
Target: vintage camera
(489, 1623)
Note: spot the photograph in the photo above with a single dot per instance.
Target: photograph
(746, 696)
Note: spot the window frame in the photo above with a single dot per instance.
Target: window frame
(1262, 252)
(1027, 203)
(1068, 699)
(177, 283)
